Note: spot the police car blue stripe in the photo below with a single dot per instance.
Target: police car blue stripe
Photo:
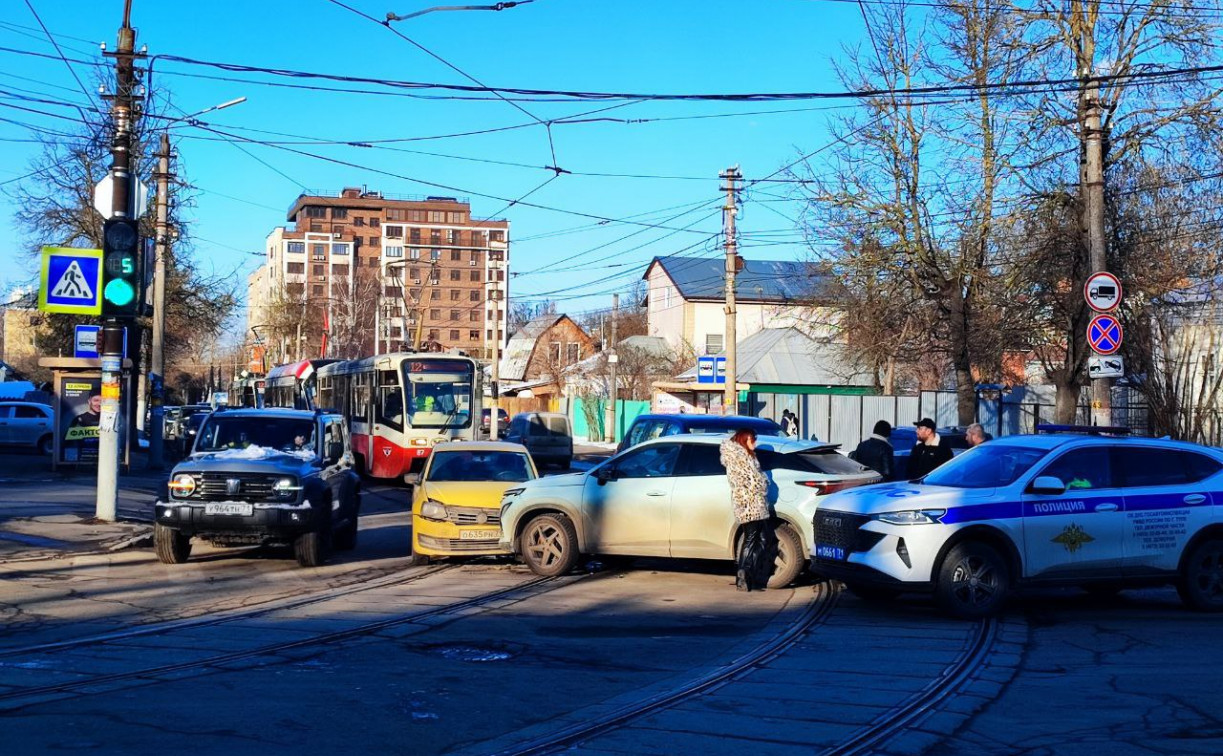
(1010, 510)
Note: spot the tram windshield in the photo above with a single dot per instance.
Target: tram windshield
(439, 393)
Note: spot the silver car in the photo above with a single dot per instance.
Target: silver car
(27, 424)
(669, 497)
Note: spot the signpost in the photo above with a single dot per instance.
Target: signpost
(86, 341)
(711, 370)
(1104, 334)
(70, 281)
(1102, 292)
(1111, 366)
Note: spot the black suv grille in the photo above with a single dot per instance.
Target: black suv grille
(215, 486)
(843, 531)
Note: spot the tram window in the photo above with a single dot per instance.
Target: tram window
(390, 399)
(360, 396)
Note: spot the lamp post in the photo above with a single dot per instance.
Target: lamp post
(494, 7)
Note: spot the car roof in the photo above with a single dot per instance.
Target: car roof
(779, 444)
(295, 414)
(1052, 441)
(726, 420)
(480, 446)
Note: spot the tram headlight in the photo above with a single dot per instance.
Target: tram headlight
(433, 510)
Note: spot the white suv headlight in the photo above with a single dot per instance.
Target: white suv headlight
(912, 517)
(433, 510)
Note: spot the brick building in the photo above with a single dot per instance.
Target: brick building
(384, 264)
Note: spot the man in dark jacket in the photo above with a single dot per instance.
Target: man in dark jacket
(929, 452)
(876, 451)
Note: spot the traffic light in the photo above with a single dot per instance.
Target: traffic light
(122, 266)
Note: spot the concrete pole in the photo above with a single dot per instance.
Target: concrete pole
(1093, 221)
(111, 352)
(494, 405)
(613, 361)
(157, 440)
(729, 210)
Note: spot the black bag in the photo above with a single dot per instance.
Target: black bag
(757, 555)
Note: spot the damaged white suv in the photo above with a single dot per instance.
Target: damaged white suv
(263, 476)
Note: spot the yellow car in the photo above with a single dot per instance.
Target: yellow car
(456, 501)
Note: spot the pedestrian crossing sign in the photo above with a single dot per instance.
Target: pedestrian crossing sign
(71, 281)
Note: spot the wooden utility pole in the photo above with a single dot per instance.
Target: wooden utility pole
(1092, 176)
(732, 176)
(495, 298)
(613, 361)
(156, 441)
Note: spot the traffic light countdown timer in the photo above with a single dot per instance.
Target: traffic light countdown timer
(122, 266)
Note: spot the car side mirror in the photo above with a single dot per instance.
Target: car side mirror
(1047, 485)
(335, 450)
(605, 473)
(412, 479)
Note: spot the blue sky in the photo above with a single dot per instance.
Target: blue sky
(673, 46)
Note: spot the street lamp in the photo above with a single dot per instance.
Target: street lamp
(495, 7)
(191, 120)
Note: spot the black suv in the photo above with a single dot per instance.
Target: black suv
(263, 476)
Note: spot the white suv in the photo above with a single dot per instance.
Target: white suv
(1104, 513)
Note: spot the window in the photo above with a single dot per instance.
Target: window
(295, 289)
(455, 275)
(656, 461)
(435, 294)
(456, 217)
(339, 213)
(318, 270)
(555, 352)
(433, 334)
(475, 275)
(497, 256)
(454, 295)
(414, 274)
(454, 334)
(317, 290)
(339, 270)
(701, 459)
(455, 254)
(478, 239)
(992, 465)
(339, 249)
(416, 215)
(435, 237)
(337, 229)
(414, 235)
(473, 316)
(575, 352)
(437, 216)
(358, 221)
(296, 248)
(490, 335)
(390, 400)
(395, 214)
(316, 227)
(375, 241)
(1200, 466)
(28, 412)
(415, 253)
(356, 242)
(1143, 466)
(713, 343)
(473, 335)
(473, 295)
(393, 232)
(497, 235)
(394, 251)
(435, 254)
(318, 251)
(374, 222)
(454, 237)
(297, 268)
(394, 292)
(373, 262)
(316, 212)
(1082, 469)
(435, 314)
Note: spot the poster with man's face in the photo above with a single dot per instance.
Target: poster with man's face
(80, 409)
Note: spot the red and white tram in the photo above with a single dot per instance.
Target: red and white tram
(399, 406)
(294, 385)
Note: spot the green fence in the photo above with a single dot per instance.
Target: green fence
(589, 414)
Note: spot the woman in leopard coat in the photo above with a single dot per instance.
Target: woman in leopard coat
(748, 493)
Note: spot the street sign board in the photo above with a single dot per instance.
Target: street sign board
(711, 370)
(1102, 292)
(1109, 366)
(103, 197)
(1104, 334)
(86, 341)
(71, 281)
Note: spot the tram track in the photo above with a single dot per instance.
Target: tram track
(816, 612)
(91, 684)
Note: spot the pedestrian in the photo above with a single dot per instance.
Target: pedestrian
(930, 451)
(876, 451)
(748, 493)
(975, 435)
(789, 426)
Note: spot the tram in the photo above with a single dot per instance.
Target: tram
(294, 385)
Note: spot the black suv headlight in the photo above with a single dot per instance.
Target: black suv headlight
(285, 488)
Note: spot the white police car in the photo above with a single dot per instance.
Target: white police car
(1101, 512)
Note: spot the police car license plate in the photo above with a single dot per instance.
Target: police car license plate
(479, 535)
(835, 553)
(229, 509)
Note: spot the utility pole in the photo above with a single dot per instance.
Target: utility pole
(111, 351)
(157, 442)
(613, 361)
(1093, 136)
(494, 297)
(732, 176)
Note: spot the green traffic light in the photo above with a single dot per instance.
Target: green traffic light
(119, 292)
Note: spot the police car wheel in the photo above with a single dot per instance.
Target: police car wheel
(1201, 582)
(972, 581)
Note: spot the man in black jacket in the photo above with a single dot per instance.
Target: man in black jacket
(876, 452)
(929, 452)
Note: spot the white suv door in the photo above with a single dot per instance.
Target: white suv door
(702, 515)
(630, 512)
(1080, 533)
(1167, 500)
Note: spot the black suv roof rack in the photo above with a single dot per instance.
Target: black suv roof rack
(1088, 430)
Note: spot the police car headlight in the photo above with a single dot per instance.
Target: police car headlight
(912, 517)
(182, 486)
(433, 510)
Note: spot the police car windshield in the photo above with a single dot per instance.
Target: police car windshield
(991, 465)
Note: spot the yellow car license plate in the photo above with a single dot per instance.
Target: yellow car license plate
(479, 535)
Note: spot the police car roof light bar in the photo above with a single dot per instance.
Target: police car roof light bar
(1092, 430)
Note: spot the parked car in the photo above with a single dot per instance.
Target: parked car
(169, 422)
(190, 430)
(670, 497)
(547, 435)
(503, 421)
(27, 424)
(263, 476)
(1060, 509)
(456, 503)
(646, 427)
(904, 438)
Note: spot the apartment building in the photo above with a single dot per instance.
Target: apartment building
(379, 267)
